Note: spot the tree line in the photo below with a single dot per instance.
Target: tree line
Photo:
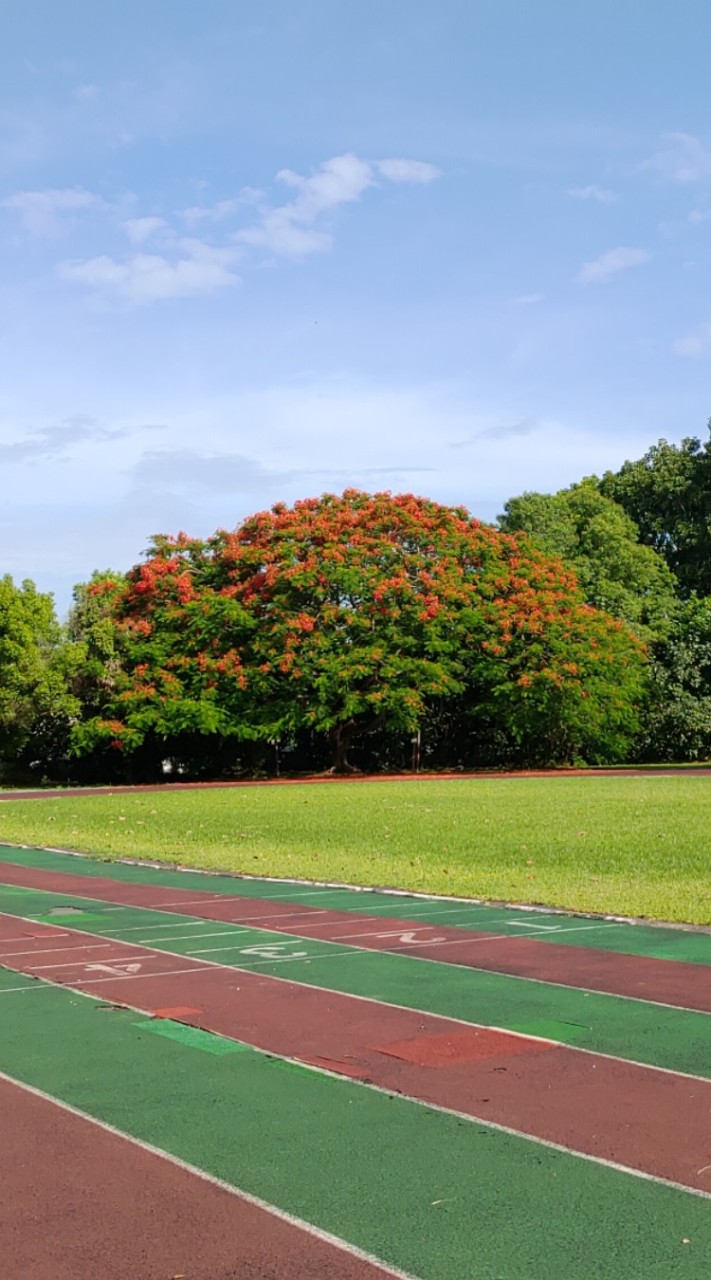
(381, 632)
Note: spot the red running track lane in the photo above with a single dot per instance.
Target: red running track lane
(55, 793)
(639, 1117)
(80, 1201)
(685, 986)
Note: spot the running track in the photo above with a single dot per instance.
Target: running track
(225, 1079)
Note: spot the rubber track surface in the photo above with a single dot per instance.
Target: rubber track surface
(80, 1203)
(640, 977)
(530, 1085)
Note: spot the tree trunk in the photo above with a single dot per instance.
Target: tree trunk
(341, 740)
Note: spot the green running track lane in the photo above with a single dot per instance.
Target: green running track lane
(440, 1197)
(676, 1039)
(689, 946)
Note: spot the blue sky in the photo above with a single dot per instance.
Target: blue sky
(252, 251)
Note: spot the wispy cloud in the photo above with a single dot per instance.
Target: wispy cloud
(499, 431)
(139, 230)
(186, 266)
(185, 469)
(610, 263)
(289, 229)
(600, 194)
(223, 209)
(695, 344)
(407, 170)
(194, 268)
(50, 443)
(41, 212)
(681, 157)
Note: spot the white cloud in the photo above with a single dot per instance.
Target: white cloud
(527, 299)
(223, 209)
(600, 194)
(696, 343)
(186, 266)
(289, 229)
(680, 158)
(699, 215)
(609, 263)
(85, 92)
(407, 170)
(149, 277)
(139, 230)
(41, 211)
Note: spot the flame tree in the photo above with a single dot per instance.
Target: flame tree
(343, 615)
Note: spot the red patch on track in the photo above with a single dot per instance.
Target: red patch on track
(176, 1011)
(460, 1046)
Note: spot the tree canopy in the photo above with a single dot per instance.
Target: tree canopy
(579, 628)
(668, 495)
(596, 536)
(36, 703)
(346, 616)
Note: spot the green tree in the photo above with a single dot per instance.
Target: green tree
(677, 720)
(668, 495)
(36, 667)
(600, 540)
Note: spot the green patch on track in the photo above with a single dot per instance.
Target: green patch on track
(548, 1029)
(193, 1037)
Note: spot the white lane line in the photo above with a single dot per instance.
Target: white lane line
(333, 887)
(206, 900)
(467, 1117)
(325, 1236)
(206, 966)
(612, 995)
(30, 986)
(399, 933)
(174, 924)
(469, 968)
(45, 951)
(182, 937)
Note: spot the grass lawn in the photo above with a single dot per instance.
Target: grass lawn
(627, 846)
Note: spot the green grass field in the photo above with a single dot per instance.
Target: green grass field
(625, 846)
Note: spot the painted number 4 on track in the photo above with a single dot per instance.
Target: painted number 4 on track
(120, 969)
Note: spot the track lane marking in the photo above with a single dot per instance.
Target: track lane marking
(380, 1089)
(546, 982)
(213, 965)
(307, 1227)
(363, 951)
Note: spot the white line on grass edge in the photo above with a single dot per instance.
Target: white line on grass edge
(359, 888)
